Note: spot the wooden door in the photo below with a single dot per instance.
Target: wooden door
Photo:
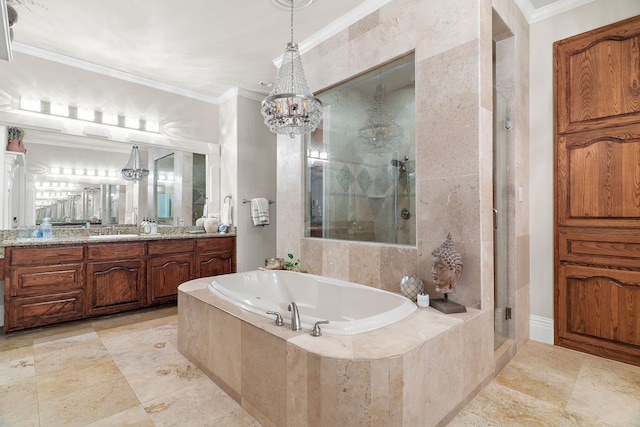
(597, 191)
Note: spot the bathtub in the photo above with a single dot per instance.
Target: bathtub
(350, 308)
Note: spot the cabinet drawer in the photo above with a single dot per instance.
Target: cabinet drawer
(215, 244)
(38, 311)
(112, 251)
(27, 281)
(49, 255)
(170, 247)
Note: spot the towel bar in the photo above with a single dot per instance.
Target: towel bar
(245, 201)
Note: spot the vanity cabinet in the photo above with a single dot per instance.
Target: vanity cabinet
(170, 264)
(215, 257)
(57, 283)
(43, 286)
(116, 279)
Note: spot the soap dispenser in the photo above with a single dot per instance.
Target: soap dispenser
(47, 229)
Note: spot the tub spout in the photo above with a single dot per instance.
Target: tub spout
(295, 317)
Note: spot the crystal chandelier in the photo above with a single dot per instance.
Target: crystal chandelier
(381, 133)
(291, 109)
(134, 170)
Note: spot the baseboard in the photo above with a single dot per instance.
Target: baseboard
(541, 329)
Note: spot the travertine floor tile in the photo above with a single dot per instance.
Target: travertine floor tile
(608, 393)
(17, 395)
(508, 407)
(134, 417)
(87, 405)
(17, 370)
(203, 404)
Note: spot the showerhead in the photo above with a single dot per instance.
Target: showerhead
(402, 164)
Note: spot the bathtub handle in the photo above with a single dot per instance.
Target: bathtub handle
(316, 332)
(278, 321)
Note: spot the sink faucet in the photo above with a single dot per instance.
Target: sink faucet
(295, 317)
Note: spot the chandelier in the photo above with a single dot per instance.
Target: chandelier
(291, 109)
(381, 134)
(134, 170)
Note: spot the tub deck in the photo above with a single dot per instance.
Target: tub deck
(413, 372)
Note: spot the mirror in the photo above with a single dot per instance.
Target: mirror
(163, 179)
(360, 162)
(74, 185)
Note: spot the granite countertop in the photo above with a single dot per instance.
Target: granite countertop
(65, 235)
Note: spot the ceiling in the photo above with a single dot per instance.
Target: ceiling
(200, 48)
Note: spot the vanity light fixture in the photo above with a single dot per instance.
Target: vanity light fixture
(87, 114)
(134, 170)
(291, 108)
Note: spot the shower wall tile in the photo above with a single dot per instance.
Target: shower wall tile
(335, 259)
(363, 258)
(445, 25)
(449, 205)
(447, 125)
(311, 255)
(395, 262)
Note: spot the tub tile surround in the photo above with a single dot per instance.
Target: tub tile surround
(290, 378)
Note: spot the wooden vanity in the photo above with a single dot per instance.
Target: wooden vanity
(52, 283)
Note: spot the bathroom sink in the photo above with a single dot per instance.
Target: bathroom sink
(114, 236)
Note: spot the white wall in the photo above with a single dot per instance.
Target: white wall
(590, 16)
(248, 170)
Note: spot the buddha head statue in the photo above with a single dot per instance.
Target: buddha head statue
(447, 266)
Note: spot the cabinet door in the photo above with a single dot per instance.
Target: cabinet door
(115, 286)
(214, 264)
(165, 274)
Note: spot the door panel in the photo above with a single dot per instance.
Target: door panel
(597, 189)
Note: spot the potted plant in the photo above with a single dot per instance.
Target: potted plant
(293, 265)
(14, 136)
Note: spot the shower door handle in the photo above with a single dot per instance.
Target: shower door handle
(495, 218)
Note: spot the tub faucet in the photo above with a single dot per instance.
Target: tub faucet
(295, 317)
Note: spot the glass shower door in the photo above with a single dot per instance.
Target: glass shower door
(500, 218)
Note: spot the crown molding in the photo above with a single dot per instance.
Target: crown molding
(336, 26)
(110, 72)
(238, 91)
(535, 15)
(556, 8)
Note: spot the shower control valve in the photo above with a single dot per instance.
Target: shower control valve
(278, 321)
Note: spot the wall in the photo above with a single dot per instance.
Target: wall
(452, 41)
(590, 16)
(248, 170)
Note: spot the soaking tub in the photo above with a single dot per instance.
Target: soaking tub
(350, 308)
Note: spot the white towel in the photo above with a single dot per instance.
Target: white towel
(226, 214)
(260, 211)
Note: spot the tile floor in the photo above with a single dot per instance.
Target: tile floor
(125, 370)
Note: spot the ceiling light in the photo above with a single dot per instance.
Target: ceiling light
(86, 114)
(291, 109)
(30, 104)
(134, 170)
(110, 119)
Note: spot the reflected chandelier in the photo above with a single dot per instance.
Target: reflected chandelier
(291, 109)
(381, 134)
(134, 170)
